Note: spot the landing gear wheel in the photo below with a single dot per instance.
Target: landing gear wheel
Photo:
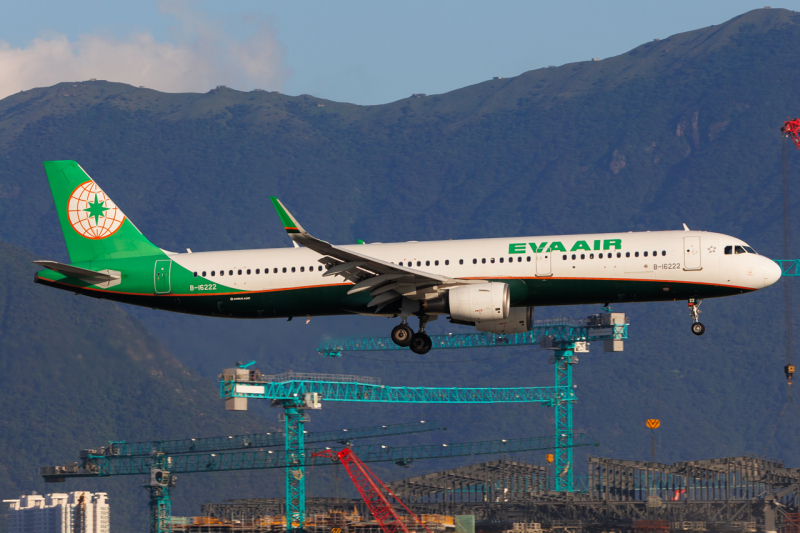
(402, 335)
(421, 343)
(698, 328)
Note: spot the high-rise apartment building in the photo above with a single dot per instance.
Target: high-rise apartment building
(79, 511)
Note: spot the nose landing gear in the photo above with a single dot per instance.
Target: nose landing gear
(420, 342)
(694, 310)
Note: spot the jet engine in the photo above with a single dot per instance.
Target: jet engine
(520, 320)
(468, 304)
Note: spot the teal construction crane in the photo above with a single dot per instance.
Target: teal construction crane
(306, 391)
(565, 337)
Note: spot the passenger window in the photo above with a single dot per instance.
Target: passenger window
(636, 254)
(212, 272)
(591, 256)
(221, 272)
(204, 273)
(401, 263)
(248, 271)
(230, 272)
(427, 263)
(645, 254)
(319, 268)
(284, 270)
(483, 260)
(302, 269)
(565, 257)
(195, 274)
(460, 261)
(446, 262)
(655, 253)
(240, 272)
(519, 259)
(573, 257)
(501, 260)
(419, 263)
(599, 256)
(619, 254)
(474, 261)
(739, 250)
(529, 259)
(728, 250)
(292, 269)
(627, 254)
(583, 256)
(663, 252)
(274, 270)
(492, 260)
(436, 263)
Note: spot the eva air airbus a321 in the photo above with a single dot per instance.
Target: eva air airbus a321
(491, 284)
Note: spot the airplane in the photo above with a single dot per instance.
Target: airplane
(490, 284)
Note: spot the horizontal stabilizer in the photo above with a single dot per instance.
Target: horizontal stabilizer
(103, 278)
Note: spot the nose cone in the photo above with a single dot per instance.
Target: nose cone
(772, 272)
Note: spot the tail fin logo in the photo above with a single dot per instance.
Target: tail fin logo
(91, 213)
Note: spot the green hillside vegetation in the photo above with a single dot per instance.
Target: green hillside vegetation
(76, 373)
(681, 130)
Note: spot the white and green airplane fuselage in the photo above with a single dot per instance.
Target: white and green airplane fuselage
(484, 282)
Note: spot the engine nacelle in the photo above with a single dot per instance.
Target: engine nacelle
(520, 320)
(480, 302)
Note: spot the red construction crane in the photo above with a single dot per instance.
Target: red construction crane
(791, 129)
(369, 486)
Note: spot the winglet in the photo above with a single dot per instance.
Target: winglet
(290, 224)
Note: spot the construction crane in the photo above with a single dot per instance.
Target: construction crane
(790, 130)
(369, 487)
(237, 385)
(565, 337)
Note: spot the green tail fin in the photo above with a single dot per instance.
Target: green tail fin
(94, 227)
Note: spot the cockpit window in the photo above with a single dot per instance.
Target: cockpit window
(749, 250)
(739, 250)
(728, 250)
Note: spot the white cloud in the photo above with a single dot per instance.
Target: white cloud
(201, 57)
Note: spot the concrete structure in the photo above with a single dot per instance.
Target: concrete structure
(79, 511)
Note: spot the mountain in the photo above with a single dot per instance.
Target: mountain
(681, 130)
(76, 373)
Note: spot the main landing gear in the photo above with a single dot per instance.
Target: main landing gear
(420, 342)
(694, 310)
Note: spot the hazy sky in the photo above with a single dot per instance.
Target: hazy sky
(366, 52)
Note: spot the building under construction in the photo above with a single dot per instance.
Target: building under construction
(732, 495)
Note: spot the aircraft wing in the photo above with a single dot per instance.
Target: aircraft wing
(386, 281)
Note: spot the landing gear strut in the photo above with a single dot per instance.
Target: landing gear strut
(694, 310)
(420, 341)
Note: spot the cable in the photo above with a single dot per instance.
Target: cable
(777, 423)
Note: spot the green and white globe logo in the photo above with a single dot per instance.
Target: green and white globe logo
(92, 214)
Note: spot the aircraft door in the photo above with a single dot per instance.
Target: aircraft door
(163, 267)
(691, 253)
(543, 264)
